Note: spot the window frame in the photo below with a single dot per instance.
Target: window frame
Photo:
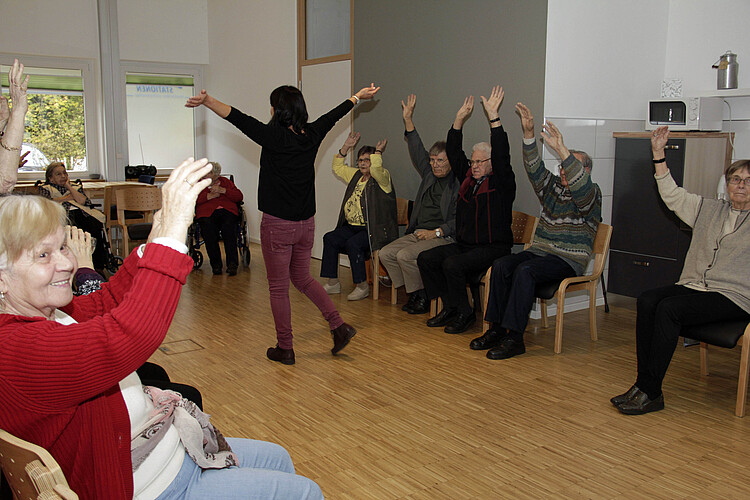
(91, 107)
(302, 59)
(199, 114)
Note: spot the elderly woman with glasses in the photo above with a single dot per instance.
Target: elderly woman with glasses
(67, 364)
(714, 284)
(484, 213)
(367, 220)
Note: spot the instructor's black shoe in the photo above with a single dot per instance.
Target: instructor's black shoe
(461, 323)
(285, 356)
(507, 349)
(443, 317)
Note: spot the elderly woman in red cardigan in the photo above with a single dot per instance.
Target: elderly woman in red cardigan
(67, 364)
(216, 210)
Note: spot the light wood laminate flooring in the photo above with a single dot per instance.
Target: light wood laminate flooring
(409, 412)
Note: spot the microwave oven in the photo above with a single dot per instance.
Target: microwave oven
(685, 113)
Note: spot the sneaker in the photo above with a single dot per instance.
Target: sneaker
(359, 293)
(332, 289)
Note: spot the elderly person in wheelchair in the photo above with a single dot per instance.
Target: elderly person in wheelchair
(67, 365)
(216, 211)
(714, 284)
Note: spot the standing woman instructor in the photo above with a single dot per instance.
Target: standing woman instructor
(286, 196)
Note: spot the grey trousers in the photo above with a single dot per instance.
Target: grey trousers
(399, 257)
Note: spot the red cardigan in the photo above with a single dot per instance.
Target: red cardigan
(205, 207)
(59, 383)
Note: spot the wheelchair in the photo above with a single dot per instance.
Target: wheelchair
(194, 241)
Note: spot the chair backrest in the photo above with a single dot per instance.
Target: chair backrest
(31, 471)
(144, 199)
(523, 227)
(601, 247)
(402, 211)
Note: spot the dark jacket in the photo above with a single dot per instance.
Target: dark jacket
(379, 210)
(421, 160)
(484, 217)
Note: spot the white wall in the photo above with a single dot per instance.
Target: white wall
(173, 31)
(252, 50)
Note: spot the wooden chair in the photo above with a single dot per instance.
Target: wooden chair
(145, 199)
(31, 471)
(588, 282)
(727, 334)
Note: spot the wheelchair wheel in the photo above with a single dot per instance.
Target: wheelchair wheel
(113, 263)
(245, 253)
(197, 259)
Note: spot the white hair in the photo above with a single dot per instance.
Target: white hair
(484, 147)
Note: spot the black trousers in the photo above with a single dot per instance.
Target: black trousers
(446, 270)
(662, 312)
(226, 222)
(512, 287)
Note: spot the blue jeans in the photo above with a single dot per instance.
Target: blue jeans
(265, 473)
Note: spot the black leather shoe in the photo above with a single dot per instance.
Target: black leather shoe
(640, 403)
(341, 336)
(618, 400)
(443, 317)
(285, 356)
(409, 303)
(490, 339)
(232, 271)
(507, 349)
(461, 323)
(420, 306)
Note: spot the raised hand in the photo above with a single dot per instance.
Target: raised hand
(380, 146)
(18, 87)
(464, 112)
(492, 105)
(197, 100)
(527, 120)
(408, 107)
(368, 92)
(349, 143)
(659, 139)
(178, 198)
(79, 242)
(554, 139)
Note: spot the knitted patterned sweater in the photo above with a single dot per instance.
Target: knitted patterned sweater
(570, 217)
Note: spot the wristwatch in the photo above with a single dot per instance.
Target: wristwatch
(438, 233)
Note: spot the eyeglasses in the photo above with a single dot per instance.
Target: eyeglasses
(739, 180)
(363, 160)
(438, 161)
(477, 162)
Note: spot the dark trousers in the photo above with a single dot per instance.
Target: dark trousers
(226, 222)
(662, 312)
(512, 287)
(447, 269)
(351, 240)
(91, 225)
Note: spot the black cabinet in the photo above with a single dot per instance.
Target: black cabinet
(649, 242)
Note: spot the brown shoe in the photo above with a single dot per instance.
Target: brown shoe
(341, 336)
(285, 356)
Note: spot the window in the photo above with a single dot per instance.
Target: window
(160, 127)
(325, 30)
(55, 127)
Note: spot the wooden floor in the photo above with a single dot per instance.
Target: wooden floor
(407, 411)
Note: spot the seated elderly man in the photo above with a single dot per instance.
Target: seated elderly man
(484, 212)
(433, 219)
(562, 245)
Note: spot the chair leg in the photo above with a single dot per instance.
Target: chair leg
(394, 294)
(742, 382)
(375, 275)
(592, 311)
(486, 298)
(704, 358)
(543, 307)
(559, 321)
